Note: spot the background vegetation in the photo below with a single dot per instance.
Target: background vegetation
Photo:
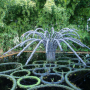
(19, 16)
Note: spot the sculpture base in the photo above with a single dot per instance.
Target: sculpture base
(50, 56)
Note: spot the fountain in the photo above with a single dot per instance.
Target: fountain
(50, 42)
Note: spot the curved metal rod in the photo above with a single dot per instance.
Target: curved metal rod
(58, 33)
(27, 41)
(52, 31)
(47, 45)
(39, 34)
(70, 43)
(70, 31)
(73, 51)
(59, 44)
(45, 34)
(68, 34)
(12, 49)
(25, 34)
(33, 52)
(39, 29)
(79, 43)
(27, 46)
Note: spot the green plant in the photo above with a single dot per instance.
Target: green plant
(17, 17)
(69, 61)
(52, 79)
(73, 65)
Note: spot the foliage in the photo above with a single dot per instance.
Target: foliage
(18, 16)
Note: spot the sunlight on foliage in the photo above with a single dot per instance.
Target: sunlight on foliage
(48, 6)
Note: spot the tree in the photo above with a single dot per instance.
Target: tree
(22, 15)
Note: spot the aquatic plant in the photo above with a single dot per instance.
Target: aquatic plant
(50, 41)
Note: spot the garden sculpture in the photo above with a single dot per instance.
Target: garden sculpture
(50, 41)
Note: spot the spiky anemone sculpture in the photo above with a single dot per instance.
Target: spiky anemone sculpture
(50, 42)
